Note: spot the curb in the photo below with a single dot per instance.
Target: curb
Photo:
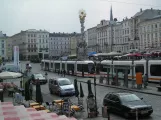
(117, 87)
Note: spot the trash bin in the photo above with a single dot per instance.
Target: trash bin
(1, 95)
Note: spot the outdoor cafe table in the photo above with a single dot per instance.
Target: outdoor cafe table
(34, 104)
(39, 107)
(58, 101)
(46, 110)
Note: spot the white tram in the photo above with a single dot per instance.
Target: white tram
(154, 68)
(79, 68)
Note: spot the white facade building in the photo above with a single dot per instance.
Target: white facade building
(59, 44)
(150, 33)
(3, 45)
(32, 43)
(103, 39)
(92, 39)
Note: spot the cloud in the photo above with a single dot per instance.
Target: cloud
(62, 15)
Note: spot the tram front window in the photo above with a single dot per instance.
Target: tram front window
(91, 68)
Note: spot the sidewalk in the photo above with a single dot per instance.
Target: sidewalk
(149, 90)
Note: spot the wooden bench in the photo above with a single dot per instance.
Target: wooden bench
(159, 88)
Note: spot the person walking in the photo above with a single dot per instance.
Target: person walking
(46, 76)
(31, 89)
(61, 72)
(145, 80)
(64, 72)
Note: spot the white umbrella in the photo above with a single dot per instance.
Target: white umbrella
(9, 75)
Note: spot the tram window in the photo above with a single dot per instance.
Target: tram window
(79, 67)
(57, 65)
(51, 65)
(139, 68)
(91, 68)
(63, 66)
(155, 70)
(122, 70)
(85, 67)
(70, 66)
(103, 68)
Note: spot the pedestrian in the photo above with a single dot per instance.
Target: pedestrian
(145, 80)
(64, 72)
(46, 76)
(31, 89)
(61, 72)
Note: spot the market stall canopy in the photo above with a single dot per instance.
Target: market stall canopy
(9, 75)
(135, 54)
(91, 53)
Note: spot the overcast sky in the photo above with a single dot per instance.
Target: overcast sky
(62, 15)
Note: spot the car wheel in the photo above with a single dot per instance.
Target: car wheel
(126, 115)
(59, 93)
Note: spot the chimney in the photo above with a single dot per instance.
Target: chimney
(141, 10)
(151, 8)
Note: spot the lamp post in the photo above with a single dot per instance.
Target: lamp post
(82, 15)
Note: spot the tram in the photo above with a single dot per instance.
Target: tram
(79, 68)
(153, 68)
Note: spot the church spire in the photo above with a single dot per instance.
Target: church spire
(111, 14)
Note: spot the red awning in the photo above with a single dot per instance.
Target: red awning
(135, 54)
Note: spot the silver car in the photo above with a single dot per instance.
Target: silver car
(61, 86)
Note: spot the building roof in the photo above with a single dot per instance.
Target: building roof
(156, 17)
(63, 34)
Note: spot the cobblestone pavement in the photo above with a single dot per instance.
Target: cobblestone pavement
(155, 101)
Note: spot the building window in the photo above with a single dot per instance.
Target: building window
(2, 45)
(28, 35)
(35, 40)
(31, 41)
(151, 26)
(2, 52)
(46, 41)
(31, 35)
(43, 40)
(34, 35)
(155, 25)
(154, 70)
(156, 35)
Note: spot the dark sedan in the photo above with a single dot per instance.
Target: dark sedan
(126, 104)
(38, 78)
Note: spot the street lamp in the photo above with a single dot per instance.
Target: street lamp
(82, 15)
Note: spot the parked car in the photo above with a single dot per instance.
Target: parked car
(37, 77)
(10, 68)
(126, 104)
(61, 86)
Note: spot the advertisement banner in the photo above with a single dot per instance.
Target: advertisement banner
(16, 55)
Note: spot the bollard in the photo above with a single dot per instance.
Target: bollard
(1, 95)
(136, 114)
(101, 79)
(105, 112)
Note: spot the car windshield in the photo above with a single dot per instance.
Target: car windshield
(129, 98)
(38, 76)
(64, 82)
